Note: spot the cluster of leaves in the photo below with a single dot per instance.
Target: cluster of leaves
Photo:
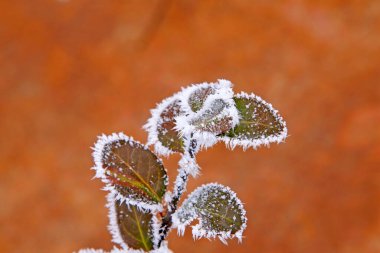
(142, 211)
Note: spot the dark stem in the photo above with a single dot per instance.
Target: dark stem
(179, 189)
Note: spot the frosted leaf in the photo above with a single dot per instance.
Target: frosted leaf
(219, 211)
(131, 170)
(209, 111)
(167, 135)
(199, 95)
(131, 227)
(160, 127)
(214, 120)
(259, 123)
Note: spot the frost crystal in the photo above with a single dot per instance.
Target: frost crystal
(91, 251)
(188, 161)
(220, 213)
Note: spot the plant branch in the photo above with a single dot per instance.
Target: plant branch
(179, 189)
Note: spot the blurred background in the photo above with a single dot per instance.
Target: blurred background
(73, 69)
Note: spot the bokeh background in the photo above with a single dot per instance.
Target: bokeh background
(72, 69)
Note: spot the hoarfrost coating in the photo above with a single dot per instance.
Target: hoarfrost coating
(204, 203)
(116, 233)
(246, 143)
(141, 209)
(100, 151)
(184, 121)
(190, 121)
(217, 105)
(153, 124)
(163, 249)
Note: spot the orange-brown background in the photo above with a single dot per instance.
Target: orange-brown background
(72, 69)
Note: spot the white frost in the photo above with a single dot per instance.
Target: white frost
(163, 249)
(188, 212)
(91, 251)
(254, 143)
(101, 172)
(153, 122)
(222, 92)
(115, 231)
(112, 216)
(189, 165)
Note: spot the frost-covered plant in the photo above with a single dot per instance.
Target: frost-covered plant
(141, 209)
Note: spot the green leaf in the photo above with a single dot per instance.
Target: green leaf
(259, 123)
(130, 226)
(131, 169)
(167, 135)
(199, 96)
(216, 119)
(209, 111)
(220, 212)
(161, 127)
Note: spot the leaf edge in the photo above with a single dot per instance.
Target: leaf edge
(232, 143)
(100, 172)
(210, 233)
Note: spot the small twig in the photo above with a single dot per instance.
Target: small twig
(179, 189)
